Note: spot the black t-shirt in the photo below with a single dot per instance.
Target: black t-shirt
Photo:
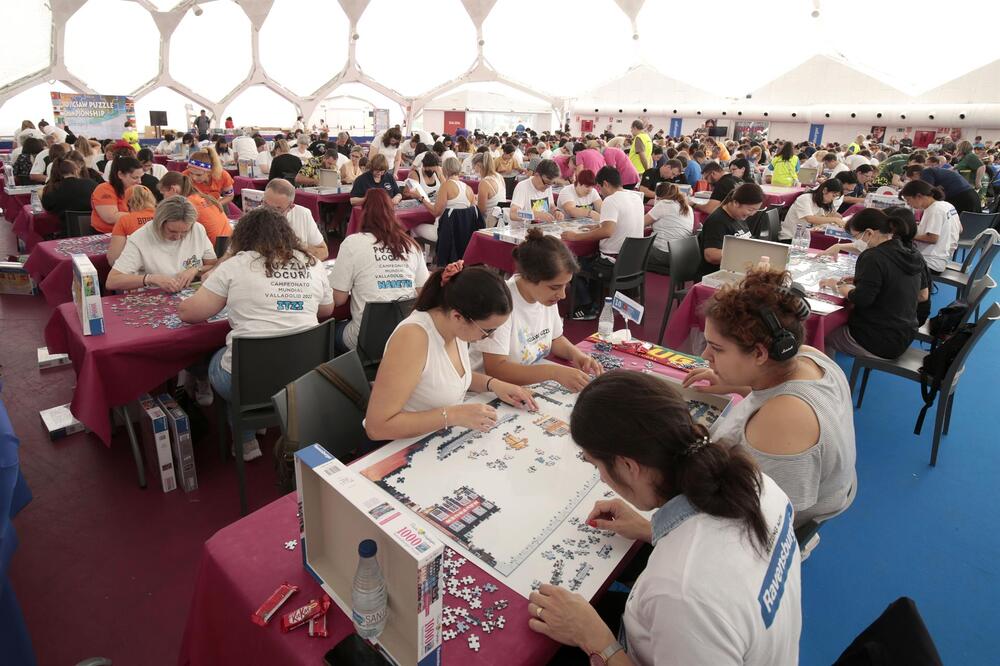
(345, 149)
(724, 186)
(71, 194)
(151, 182)
(317, 148)
(366, 181)
(284, 166)
(717, 226)
(651, 178)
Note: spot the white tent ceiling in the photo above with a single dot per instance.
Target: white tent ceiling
(264, 61)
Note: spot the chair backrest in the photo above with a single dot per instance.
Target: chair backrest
(221, 245)
(510, 182)
(982, 325)
(326, 416)
(263, 366)
(77, 223)
(991, 239)
(774, 224)
(974, 224)
(632, 257)
(979, 248)
(377, 324)
(685, 260)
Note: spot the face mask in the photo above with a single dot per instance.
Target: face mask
(861, 244)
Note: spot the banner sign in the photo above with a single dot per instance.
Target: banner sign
(627, 308)
(381, 120)
(816, 134)
(93, 116)
(675, 127)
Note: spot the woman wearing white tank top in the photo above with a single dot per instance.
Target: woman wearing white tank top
(453, 195)
(425, 371)
(492, 189)
(796, 417)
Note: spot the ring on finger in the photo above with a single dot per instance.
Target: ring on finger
(538, 612)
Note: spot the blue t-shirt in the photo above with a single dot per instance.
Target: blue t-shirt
(692, 172)
(948, 180)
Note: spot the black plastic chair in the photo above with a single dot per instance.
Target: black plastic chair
(685, 262)
(76, 223)
(323, 414)
(261, 367)
(908, 366)
(897, 636)
(510, 182)
(974, 224)
(378, 322)
(629, 271)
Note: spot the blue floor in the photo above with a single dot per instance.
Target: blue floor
(932, 534)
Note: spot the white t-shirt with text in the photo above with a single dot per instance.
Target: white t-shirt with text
(526, 197)
(372, 275)
(260, 306)
(145, 252)
(526, 337)
(942, 219)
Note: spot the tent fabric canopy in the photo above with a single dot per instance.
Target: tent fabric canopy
(264, 60)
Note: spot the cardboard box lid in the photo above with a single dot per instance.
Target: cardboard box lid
(738, 253)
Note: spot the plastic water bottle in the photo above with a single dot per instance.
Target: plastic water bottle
(802, 238)
(36, 202)
(606, 325)
(368, 598)
(764, 264)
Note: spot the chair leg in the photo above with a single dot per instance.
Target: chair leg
(855, 369)
(939, 419)
(864, 385)
(947, 414)
(241, 477)
(666, 313)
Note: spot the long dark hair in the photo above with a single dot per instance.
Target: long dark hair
(746, 193)
(379, 219)
(62, 168)
(540, 257)
(920, 187)
(787, 150)
(477, 293)
(831, 185)
(638, 416)
(122, 164)
(902, 223)
(266, 232)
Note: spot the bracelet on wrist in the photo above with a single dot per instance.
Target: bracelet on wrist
(145, 276)
(488, 383)
(444, 413)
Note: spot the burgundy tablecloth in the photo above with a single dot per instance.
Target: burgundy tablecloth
(242, 565)
(32, 228)
(233, 211)
(51, 266)
(14, 204)
(818, 240)
(473, 183)
(485, 249)
(241, 183)
(115, 368)
(161, 159)
(854, 210)
(176, 165)
(781, 196)
(311, 200)
(409, 217)
(689, 315)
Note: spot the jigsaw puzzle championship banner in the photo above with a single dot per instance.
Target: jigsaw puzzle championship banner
(93, 116)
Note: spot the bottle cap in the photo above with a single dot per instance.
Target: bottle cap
(367, 548)
(607, 299)
(765, 259)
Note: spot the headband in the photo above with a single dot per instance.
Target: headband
(200, 164)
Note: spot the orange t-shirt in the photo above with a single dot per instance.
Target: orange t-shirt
(209, 216)
(105, 195)
(215, 187)
(129, 224)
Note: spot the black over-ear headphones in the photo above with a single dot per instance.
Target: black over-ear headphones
(783, 343)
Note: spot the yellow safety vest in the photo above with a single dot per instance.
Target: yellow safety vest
(647, 148)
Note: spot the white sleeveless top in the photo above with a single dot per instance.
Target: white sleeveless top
(440, 385)
(462, 200)
(501, 190)
(820, 481)
(418, 176)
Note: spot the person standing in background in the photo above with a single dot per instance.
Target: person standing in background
(202, 123)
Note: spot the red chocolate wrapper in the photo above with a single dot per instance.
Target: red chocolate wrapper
(267, 609)
(317, 626)
(300, 616)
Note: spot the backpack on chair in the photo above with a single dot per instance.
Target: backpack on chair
(950, 335)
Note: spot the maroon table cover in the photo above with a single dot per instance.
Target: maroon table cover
(485, 249)
(32, 228)
(311, 200)
(161, 159)
(241, 183)
(115, 368)
(51, 265)
(176, 165)
(689, 315)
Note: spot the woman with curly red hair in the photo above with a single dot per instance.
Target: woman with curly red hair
(796, 418)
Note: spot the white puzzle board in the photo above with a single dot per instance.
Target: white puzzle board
(514, 499)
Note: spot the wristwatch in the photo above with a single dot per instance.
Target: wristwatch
(604, 656)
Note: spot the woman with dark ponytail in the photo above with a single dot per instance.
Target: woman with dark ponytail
(889, 280)
(940, 227)
(723, 584)
(425, 371)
